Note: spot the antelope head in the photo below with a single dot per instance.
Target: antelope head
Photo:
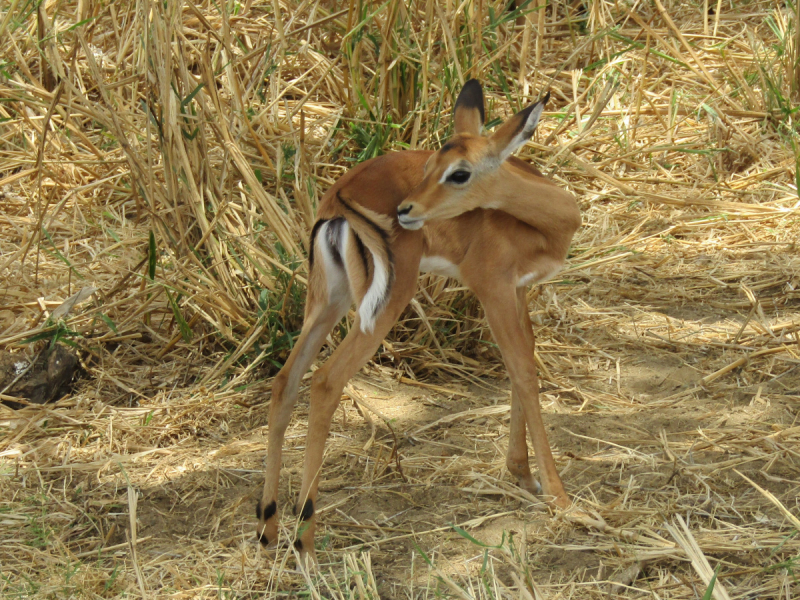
(465, 172)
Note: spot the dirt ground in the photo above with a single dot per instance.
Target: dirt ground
(415, 472)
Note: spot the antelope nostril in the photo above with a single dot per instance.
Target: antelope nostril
(404, 210)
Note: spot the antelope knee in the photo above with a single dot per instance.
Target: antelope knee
(279, 386)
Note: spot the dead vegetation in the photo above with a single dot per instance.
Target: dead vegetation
(168, 157)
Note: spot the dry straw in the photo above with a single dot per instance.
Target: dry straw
(171, 155)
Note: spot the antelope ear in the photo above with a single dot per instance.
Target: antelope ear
(517, 130)
(468, 111)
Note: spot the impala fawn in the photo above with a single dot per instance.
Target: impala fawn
(471, 211)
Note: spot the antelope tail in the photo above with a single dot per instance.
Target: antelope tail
(356, 251)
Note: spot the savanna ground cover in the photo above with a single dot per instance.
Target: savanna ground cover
(160, 163)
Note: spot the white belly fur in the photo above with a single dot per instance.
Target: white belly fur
(440, 266)
(539, 276)
(527, 278)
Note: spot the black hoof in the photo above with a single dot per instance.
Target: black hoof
(263, 539)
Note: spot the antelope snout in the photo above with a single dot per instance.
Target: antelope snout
(406, 220)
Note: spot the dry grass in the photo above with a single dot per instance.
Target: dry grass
(170, 155)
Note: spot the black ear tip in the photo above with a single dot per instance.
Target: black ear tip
(473, 91)
(471, 96)
(546, 98)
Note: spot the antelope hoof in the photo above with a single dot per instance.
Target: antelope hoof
(304, 544)
(530, 484)
(561, 501)
(307, 556)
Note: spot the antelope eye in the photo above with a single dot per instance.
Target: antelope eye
(460, 176)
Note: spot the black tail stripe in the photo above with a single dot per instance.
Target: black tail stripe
(335, 240)
(314, 232)
(362, 251)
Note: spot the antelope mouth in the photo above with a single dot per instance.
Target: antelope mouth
(411, 223)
